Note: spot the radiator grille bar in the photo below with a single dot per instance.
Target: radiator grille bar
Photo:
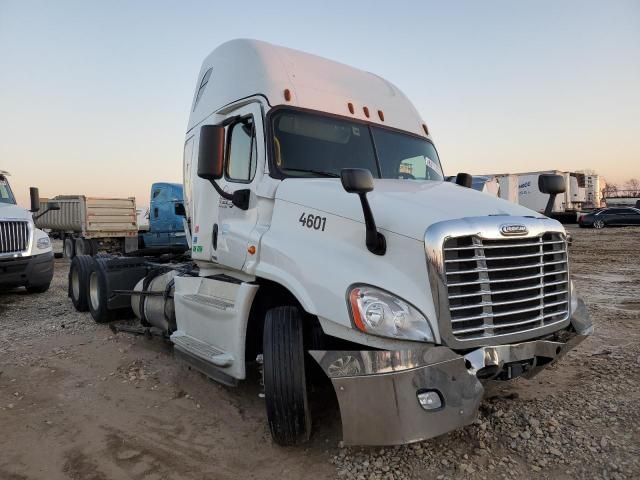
(14, 236)
(506, 286)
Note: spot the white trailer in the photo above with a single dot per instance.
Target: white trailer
(322, 232)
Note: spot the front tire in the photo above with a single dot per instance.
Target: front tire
(285, 382)
(598, 224)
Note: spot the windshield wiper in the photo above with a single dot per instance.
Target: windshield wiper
(317, 172)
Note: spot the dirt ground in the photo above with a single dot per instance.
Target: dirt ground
(78, 402)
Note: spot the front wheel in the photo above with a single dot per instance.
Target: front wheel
(285, 382)
(599, 223)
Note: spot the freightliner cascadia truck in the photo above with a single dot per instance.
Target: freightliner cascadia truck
(323, 235)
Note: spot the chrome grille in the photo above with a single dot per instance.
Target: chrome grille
(14, 236)
(505, 286)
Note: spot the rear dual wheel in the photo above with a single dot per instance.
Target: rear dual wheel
(78, 281)
(97, 292)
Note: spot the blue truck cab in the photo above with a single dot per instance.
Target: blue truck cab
(166, 216)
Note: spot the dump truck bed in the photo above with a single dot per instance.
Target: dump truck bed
(91, 217)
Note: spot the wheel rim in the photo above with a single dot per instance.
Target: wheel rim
(75, 284)
(345, 366)
(598, 224)
(93, 291)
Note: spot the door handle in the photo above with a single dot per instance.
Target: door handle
(214, 236)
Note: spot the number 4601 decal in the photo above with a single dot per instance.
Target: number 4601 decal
(313, 221)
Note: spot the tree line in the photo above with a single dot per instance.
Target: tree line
(629, 188)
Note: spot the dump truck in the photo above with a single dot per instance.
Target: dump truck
(88, 225)
(324, 237)
(26, 256)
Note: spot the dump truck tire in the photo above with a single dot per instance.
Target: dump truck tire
(69, 248)
(78, 281)
(83, 247)
(285, 381)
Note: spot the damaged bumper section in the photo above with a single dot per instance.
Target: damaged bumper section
(396, 397)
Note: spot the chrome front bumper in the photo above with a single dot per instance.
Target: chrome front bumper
(377, 390)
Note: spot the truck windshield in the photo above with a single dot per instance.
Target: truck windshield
(313, 145)
(6, 195)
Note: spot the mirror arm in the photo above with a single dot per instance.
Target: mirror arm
(35, 217)
(376, 243)
(222, 193)
(549, 208)
(240, 198)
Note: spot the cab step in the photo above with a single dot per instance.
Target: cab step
(201, 349)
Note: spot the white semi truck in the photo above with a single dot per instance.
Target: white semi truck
(322, 233)
(26, 256)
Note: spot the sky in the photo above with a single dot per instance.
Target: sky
(95, 96)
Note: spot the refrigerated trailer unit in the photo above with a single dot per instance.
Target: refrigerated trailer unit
(522, 188)
(88, 225)
(322, 232)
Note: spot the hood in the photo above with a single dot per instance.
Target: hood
(9, 211)
(400, 206)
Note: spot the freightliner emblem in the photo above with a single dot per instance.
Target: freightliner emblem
(513, 229)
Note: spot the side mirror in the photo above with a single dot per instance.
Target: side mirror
(552, 185)
(464, 180)
(178, 209)
(211, 163)
(360, 182)
(35, 199)
(356, 180)
(211, 152)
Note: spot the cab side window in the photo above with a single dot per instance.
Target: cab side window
(242, 153)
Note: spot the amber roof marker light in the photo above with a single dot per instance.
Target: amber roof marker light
(424, 127)
(381, 115)
(287, 94)
(351, 109)
(366, 111)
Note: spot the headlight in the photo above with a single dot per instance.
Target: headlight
(43, 243)
(378, 312)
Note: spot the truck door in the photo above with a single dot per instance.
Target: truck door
(157, 216)
(244, 166)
